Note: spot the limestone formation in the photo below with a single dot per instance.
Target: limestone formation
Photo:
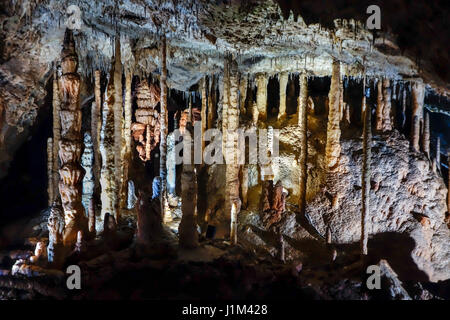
(56, 105)
(164, 127)
(333, 147)
(118, 129)
(50, 179)
(71, 172)
(365, 176)
(417, 96)
(273, 203)
(96, 125)
(284, 77)
(146, 129)
(426, 136)
(127, 136)
(55, 249)
(187, 228)
(107, 179)
(261, 96)
(302, 122)
(383, 121)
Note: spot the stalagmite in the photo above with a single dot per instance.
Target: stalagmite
(244, 185)
(55, 226)
(96, 122)
(164, 129)
(146, 129)
(418, 95)
(379, 110)
(127, 138)
(426, 135)
(333, 147)
(243, 92)
(56, 105)
(87, 161)
(107, 179)
(187, 228)
(261, 96)
(91, 216)
(302, 122)
(403, 108)
(71, 172)
(284, 76)
(50, 187)
(233, 202)
(118, 129)
(365, 182)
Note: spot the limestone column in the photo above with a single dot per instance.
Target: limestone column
(50, 187)
(333, 146)
(107, 178)
(261, 95)
(204, 110)
(163, 132)
(284, 76)
(233, 202)
(387, 106)
(212, 102)
(243, 92)
(56, 105)
(127, 138)
(302, 123)
(70, 148)
(426, 135)
(418, 95)
(118, 130)
(187, 228)
(96, 121)
(365, 176)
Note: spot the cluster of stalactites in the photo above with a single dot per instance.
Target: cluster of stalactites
(146, 129)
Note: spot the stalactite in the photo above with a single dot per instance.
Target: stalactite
(302, 122)
(333, 147)
(187, 228)
(91, 217)
(243, 92)
(164, 129)
(225, 103)
(233, 202)
(118, 129)
(50, 187)
(127, 138)
(71, 172)
(418, 95)
(96, 114)
(341, 98)
(56, 105)
(171, 166)
(107, 178)
(261, 96)
(426, 135)
(284, 76)
(365, 176)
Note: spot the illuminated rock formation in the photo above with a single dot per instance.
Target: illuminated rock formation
(56, 105)
(333, 147)
(164, 127)
(50, 188)
(365, 174)
(302, 122)
(284, 77)
(261, 96)
(426, 136)
(96, 125)
(107, 179)
(146, 129)
(55, 249)
(418, 95)
(383, 121)
(71, 173)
